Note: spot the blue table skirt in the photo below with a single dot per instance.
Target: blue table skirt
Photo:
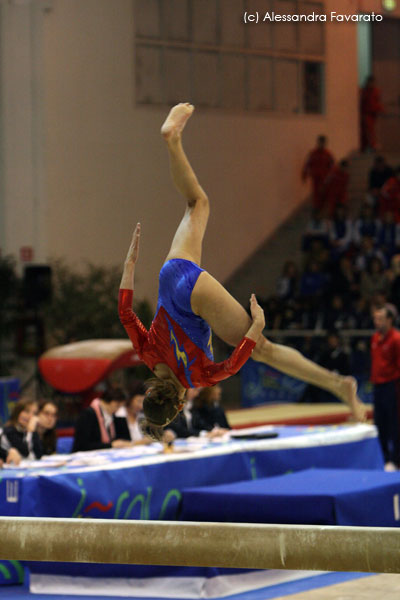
(313, 496)
(144, 483)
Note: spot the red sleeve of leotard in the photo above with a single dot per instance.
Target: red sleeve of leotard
(219, 371)
(135, 329)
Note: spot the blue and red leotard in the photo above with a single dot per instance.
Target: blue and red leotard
(177, 337)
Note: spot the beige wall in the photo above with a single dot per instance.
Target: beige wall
(106, 167)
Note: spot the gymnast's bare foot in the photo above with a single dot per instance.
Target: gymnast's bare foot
(350, 397)
(176, 120)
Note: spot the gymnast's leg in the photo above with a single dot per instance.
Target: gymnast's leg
(229, 321)
(188, 239)
(226, 317)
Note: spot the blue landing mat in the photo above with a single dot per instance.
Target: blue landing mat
(313, 496)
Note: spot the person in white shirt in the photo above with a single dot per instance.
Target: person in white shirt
(132, 411)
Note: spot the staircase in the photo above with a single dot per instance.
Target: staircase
(261, 270)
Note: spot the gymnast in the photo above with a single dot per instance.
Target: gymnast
(191, 304)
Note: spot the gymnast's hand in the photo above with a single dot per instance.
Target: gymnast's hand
(257, 314)
(133, 252)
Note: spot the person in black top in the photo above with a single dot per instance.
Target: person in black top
(334, 357)
(97, 426)
(132, 412)
(10, 457)
(3, 456)
(207, 409)
(379, 173)
(183, 426)
(20, 431)
(190, 422)
(46, 426)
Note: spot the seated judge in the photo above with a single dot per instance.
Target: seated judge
(132, 413)
(208, 410)
(97, 426)
(20, 432)
(183, 425)
(12, 456)
(46, 425)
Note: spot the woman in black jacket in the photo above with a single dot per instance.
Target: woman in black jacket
(207, 409)
(97, 426)
(20, 431)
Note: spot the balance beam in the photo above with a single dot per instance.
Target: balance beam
(237, 545)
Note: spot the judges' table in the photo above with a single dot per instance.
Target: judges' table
(146, 483)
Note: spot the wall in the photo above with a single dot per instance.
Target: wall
(105, 166)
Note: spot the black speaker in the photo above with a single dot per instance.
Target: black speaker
(37, 285)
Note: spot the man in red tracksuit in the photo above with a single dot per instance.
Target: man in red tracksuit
(385, 375)
(318, 166)
(389, 199)
(370, 108)
(336, 187)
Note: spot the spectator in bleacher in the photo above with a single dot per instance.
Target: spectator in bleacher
(133, 411)
(394, 277)
(317, 167)
(389, 199)
(379, 173)
(389, 236)
(290, 316)
(318, 252)
(360, 318)
(46, 425)
(336, 186)
(286, 287)
(336, 315)
(273, 309)
(317, 229)
(208, 409)
(333, 356)
(345, 280)
(366, 226)
(313, 281)
(98, 428)
(361, 314)
(311, 312)
(20, 431)
(367, 251)
(385, 376)
(370, 108)
(374, 279)
(340, 231)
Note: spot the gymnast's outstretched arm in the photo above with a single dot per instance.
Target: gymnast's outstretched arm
(134, 327)
(128, 273)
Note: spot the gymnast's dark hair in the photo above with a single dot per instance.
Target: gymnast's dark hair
(160, 407)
